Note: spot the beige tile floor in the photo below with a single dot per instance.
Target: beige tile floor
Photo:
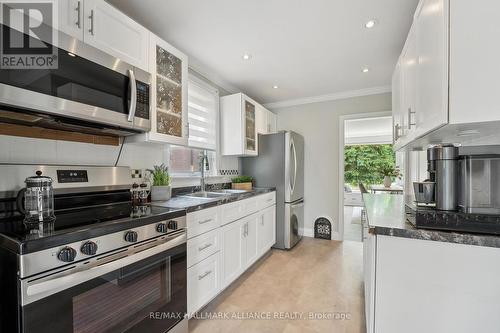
(317, 276)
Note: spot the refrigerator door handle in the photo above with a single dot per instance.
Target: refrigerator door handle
(293, 152)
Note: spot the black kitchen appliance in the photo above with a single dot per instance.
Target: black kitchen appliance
(103, 265)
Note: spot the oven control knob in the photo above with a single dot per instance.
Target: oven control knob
(67, 254)
(131, 236)
(161, 228)
(89, 248)
(172, 225)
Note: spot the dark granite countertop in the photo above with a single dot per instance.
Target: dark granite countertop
(386, 216)
(191, 204)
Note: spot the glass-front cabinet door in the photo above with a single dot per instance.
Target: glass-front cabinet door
(250, 129)
(169, 77)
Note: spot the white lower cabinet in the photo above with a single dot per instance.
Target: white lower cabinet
(203, 281)
(233, 253)
(266, 230)
(224, 241)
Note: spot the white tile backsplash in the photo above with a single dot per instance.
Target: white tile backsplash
(19, 150)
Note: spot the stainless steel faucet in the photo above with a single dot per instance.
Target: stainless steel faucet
(203, 163)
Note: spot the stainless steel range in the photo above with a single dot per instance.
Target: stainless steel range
(103, 265)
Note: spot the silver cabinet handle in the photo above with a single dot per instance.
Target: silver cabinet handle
(397, 127)
(204, 275)
(410, 123)
(262, 220)
(133, 95)
(205, 221)
(78, 10)
(206, 246)
(91, 17)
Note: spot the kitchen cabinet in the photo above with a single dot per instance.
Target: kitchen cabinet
(453, 286)
(224, 241)
(431, 80)
(238, 125)
(266, 229)
(369, 251)
(71, 18)
(272, 122)
(397, 117)
(239, 241)
(233, 253)
(203, 282)
(266, 120)
(452, 81)
(169, 99)
(113, 32)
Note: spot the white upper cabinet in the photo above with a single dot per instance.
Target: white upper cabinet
(239, 125)
(71, 17)
(397, 118)
(431, 99)
(169, 94)
(448, 90)
(474, 54)
(266, 120)
(113, 32)
(272, 122)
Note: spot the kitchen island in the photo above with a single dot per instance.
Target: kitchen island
(420, 280)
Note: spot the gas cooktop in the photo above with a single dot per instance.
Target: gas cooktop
(77, 224)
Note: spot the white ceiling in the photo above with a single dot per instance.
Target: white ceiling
(306, 47)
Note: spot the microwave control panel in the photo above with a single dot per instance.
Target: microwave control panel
(142, 105)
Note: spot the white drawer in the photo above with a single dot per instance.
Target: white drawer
(202, 221)
(203, 282)
(231, 212)
(266, 200)
(202, 246)
(249, 206)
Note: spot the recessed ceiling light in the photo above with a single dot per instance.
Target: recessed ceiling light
(247, 56)
(370, 24)
(366, 70)
(275, 87)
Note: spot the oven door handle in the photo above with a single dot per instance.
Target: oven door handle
(133, 95)
(33, 290)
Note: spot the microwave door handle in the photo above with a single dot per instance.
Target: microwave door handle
(40, 288)
(133, 95)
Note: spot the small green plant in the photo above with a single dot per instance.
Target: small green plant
(242, 179)
(160, 176)
(391, 171)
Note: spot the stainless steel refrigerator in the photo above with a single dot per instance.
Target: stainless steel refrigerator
(280, 164)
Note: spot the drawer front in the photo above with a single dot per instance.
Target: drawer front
(203, 282)
(249, 206)
(266, 200)
(202, 221)
(202, 246)
(231, 212)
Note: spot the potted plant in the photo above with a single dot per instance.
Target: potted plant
(160, 183)
(389, 171)
(242, 183)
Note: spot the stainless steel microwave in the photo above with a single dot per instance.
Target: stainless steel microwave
(90, 91)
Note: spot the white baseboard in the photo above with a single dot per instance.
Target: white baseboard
(308, 232)
(336, 236)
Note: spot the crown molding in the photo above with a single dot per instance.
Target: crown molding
(329, 97)
(211, 76)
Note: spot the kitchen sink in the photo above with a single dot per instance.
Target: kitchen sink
(230, 191)
(205, 195)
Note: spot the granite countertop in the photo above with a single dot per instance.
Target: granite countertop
(386, 216)
(191, 204)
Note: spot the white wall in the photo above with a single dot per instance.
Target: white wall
(319, 124)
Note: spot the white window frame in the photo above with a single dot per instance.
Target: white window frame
(216, 161)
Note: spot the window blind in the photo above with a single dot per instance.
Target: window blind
(203, 108)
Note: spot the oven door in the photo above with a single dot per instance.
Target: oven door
(141, 292)
(88, 85)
